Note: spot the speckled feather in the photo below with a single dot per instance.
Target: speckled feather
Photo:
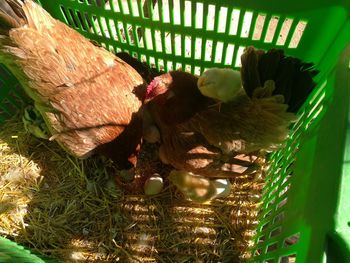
(85, 94)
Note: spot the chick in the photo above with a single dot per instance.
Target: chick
(198, 188)
(221, 84)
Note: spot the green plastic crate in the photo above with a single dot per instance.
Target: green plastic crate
(305, 214)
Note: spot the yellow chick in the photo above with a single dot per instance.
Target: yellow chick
(198, 188)
(221, 84)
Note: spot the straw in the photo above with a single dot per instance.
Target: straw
(72, 209)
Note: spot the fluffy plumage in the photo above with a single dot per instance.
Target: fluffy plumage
(221, 84)
(198, 188)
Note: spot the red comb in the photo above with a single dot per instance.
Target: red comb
(151, 87)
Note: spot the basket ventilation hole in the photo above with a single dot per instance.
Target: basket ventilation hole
(219, 51)
(272, 247)
(284, 190)
(211, 18)
(247, 20)
(83, 21)
(64, 13)
(124, 7)
(262, 239)
(271, 202)
(158, 39)
(148, 39)
(274, 190)
(271, 30)
(282, 203)
(234, 21)
(98, 3)
(287, 259)
(276, 232)
(268, 214)
(188, 68)
(238, 57)
(176, 12)
(113, 30)
(258, 252)
(229, 54)
(178, 45)
(197, 71)
(278, 218)
(160, 64)
(188, 14)
(298, 33)
(208, 50)
(293, 239)
(222, 20)
(258, 27)
(105, 28)
(170, 66)
(283, 35)
(73, 18)
(265, 226)
(107, 5)
(165, 11)
(121, 30)
(178, 66)
(188, 50)
(199, 16)
(95, 26)
(152, 62)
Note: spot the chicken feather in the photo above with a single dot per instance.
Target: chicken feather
(257, 118)
(85, 94)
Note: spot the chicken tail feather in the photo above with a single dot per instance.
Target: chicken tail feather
(292, 76)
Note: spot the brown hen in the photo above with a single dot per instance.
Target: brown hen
(198, 137)
(174, 102)
(85, 94)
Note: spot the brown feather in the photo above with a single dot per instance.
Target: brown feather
(205, 141)
(85, 94)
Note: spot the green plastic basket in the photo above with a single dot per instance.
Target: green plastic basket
(305, 214)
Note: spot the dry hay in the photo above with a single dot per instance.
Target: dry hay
(72, 209)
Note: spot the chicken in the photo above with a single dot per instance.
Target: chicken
(197, 137)
(221, 84)
(198, 188)
(258, 118)
(173, 100)
(177, 95)
(88, 97)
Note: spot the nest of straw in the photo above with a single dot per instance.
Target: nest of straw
(73, 210)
